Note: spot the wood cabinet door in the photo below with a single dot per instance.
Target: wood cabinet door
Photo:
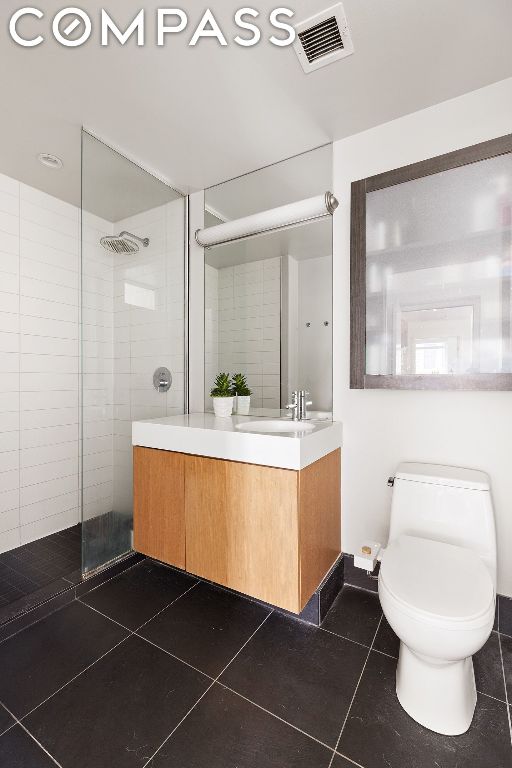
(159, 505)
(319, 521)
(242, 528)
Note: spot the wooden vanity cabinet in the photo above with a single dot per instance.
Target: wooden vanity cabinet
(159, 505)
(266, 532)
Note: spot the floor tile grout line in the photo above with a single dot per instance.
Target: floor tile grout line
(343, 637)
(488, 696)
(273, 714)
(348, 759)
(506, 691)
(9, 728)
(11, 715)
(169, 605)
(18, 573)
(18, 722)
(77, 599)
(71, 585)
(269, 614)
(130, 634)
(136, 630)
(173, 656)
(100, 613)
(35, 621)
(93, 589)
(355, 691)
(134, 633)
(383, 653)
(76, 676)
(178, 725)
(205, 692)
(361, 589)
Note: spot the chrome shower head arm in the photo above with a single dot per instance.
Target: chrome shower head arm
(143, 240)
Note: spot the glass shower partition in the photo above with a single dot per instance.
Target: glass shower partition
(132, 323)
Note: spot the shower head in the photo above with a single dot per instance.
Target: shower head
(124, 242)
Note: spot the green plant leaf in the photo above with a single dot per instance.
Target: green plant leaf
(239, 385)
(222, 386)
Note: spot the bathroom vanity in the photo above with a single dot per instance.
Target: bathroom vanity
(258, 512)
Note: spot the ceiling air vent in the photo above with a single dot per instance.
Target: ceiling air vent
(323, 39)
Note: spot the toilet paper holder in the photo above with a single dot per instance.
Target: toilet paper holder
(367, 555)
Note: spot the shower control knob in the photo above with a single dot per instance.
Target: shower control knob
(162, 379)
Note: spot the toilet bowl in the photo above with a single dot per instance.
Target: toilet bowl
(439, 598)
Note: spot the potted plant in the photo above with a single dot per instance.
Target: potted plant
(222, 396)
(242, 393)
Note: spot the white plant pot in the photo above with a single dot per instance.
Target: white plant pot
(242, 405)
(223, 406)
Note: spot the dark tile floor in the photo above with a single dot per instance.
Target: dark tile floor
(28, 568)
(155, 669)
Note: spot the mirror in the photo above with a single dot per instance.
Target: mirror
(268, 299)
(431, 293)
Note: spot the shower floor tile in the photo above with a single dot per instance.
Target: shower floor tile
(39, 570)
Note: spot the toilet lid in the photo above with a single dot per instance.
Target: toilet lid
(443, 580)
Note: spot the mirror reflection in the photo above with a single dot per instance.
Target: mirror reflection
(268, 299)
(438, 297)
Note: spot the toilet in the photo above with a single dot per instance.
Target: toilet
(437, 587)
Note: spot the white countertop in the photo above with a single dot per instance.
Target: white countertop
(202, 434)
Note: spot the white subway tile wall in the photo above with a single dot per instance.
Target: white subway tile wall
(39, 364)
(98, 365)
(40, 361)
(148, 328)
(244, 305)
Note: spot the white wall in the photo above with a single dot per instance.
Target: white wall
(315, 342)
(381, 429)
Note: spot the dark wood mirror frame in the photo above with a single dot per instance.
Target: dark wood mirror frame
(359, 379)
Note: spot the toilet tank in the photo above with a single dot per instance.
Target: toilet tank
(449, 504)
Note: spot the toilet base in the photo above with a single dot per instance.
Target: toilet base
(439, 695)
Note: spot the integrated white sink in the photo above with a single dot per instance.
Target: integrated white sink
(269, 442)
(268, 426)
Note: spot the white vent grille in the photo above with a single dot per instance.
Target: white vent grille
(323, 39)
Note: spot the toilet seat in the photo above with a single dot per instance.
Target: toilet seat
(438, 583)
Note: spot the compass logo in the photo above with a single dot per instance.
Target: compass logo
(72, 27)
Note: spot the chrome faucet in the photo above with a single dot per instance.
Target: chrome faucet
(299, 405)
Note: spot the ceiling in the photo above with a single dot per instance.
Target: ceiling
(300, 177)
(309, 241)
(114, 188)
(288, 181)
(199, 115)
